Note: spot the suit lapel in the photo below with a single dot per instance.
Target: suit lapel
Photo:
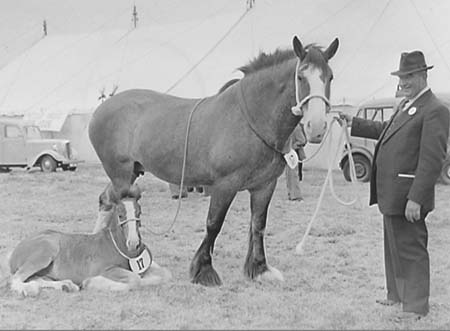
(388, 126)
(405, 116)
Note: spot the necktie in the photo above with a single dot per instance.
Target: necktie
(406, 104)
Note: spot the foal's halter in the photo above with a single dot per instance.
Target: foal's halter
(136, 219)
(143, 260)
(297, 110)
(131, 219)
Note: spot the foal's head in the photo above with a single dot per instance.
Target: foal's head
(313, 78)
(125, 214)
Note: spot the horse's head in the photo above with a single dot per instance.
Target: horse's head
(312, 80)
(129, 213)
(124, 213)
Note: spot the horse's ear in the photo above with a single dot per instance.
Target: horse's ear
(298, 48)
(331, 50)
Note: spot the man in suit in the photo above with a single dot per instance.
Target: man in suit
(297, 141)
(407, 162)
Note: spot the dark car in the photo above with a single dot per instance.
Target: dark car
(363, 148)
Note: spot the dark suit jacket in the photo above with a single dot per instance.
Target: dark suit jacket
(408, 156)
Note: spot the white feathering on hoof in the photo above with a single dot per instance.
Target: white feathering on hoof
(26, 289)
(271, 274)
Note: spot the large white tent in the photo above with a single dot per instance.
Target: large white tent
(190, 48)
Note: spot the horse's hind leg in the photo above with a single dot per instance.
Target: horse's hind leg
(201, 270)
(256, 266)
(36, 261)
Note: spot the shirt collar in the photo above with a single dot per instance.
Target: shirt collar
(411, 101)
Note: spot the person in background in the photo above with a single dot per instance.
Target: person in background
(294, 176)
(407, 162)
(175, 191)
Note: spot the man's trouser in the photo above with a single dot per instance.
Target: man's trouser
(407, 263)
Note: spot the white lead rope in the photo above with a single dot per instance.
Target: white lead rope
(328, 178)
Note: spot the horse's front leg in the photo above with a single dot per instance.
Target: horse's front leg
(113, 279)
(201, 270)
(256, 266)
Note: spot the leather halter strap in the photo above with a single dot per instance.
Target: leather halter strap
(297, 110)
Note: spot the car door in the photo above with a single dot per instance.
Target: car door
(13, 145)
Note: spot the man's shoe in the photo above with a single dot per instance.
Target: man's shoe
(387, 302)
(408, 317)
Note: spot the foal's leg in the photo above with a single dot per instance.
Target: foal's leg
(36, 261)
(65, 285)
(256, 266)
(155, 275)
(113, 279)
(201, 270)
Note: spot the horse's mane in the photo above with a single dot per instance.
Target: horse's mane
(264, 60)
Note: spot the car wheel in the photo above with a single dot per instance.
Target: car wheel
(362, 166)
(5, 169)
(48, 164)
(445, 173)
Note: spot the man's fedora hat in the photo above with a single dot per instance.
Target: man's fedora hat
(410, 63)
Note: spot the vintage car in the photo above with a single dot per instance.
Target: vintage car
(363, 148)
(22, 145)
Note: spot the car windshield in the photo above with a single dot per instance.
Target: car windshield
(33, 132)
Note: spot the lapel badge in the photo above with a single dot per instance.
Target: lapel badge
(412, 111)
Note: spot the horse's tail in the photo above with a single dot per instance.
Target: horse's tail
(4, 269)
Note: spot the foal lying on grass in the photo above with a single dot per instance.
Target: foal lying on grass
(114, 258)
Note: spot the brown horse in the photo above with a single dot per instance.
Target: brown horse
(235, 140)
(111, 259)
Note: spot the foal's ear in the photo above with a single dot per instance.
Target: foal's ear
(298, 48)
(135, 192)
(106, 199)
(331, 50)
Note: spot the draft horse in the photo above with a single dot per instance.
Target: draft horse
(112, 259)
(236, 141)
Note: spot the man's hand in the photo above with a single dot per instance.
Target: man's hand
(412, 211)
(345, 117)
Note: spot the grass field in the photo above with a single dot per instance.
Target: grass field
(332, 285)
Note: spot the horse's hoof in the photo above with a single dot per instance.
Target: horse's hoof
(70, 287)
(207, 276)
(271, 274)
(30, 289)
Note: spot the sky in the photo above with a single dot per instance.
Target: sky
(198, 44)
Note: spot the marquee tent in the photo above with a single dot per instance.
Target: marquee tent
(190, 48)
